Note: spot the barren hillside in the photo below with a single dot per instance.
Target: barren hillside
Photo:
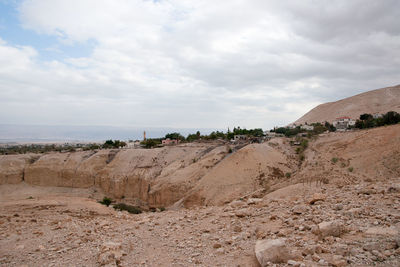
(375, 101)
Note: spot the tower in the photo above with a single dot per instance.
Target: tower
(144, 136)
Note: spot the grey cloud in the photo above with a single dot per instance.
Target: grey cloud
(203, 63)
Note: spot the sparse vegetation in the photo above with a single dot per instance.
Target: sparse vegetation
(288, 175)
(334, 160)
(113, 144)
(106, 201)
(128, 208)
(350, 169)
(152, 209)
(300, 150)
(368, 121)
(151, 142)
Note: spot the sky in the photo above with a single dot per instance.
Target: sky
(190, 64)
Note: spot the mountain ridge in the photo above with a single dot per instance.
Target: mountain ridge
(374, 101)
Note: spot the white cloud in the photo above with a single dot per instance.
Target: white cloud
(198, 63)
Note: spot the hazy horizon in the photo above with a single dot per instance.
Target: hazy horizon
(47, 133)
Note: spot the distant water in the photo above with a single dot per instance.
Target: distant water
(45, 133)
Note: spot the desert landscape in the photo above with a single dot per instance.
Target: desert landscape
(204, 206)
(199, 133)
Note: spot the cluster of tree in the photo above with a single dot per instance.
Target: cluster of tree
(257, 132)
(215, 135)
(39, 148)
(368, 121)
(151, 142)
(113, 144)
(318, 129)
(176, 136)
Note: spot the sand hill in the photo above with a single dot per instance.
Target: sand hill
(375, 101)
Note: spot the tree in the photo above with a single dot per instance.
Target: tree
(366, 116)
(175, 135)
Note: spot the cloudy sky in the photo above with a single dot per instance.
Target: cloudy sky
(194, 64)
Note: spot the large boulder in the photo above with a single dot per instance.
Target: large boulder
(332, 228)
(271, 251)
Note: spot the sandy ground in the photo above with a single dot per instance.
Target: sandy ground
(67, 230)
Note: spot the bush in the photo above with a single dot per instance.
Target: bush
(162, 209)
(230, 150)
(350, 169)
(288, 174)
(106, 201)
(128, 208)
(334, 160)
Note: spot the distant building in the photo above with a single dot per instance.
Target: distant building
(170, 142)
(307, 127)
(377, 115)
(342, 123)
(240, 137)
(133, 144)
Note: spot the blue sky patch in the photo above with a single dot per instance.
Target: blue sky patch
(49, 47)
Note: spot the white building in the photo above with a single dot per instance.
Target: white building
(343, 123)
(307, 127)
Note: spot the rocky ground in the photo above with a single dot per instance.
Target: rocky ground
(324, 225)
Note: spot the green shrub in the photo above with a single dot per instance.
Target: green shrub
(128, 208)
(334, 160)
(288, 174)
(350, 169)
(106, 201)
(162, 209)
(230, 150)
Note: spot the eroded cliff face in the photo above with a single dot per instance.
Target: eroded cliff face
(158, 177)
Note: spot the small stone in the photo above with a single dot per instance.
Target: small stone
(317, 197)
(299, 209)
(237, 229)
(242, 213)
(253, 201)
(217, 245)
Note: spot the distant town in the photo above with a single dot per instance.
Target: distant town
(235, 136)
